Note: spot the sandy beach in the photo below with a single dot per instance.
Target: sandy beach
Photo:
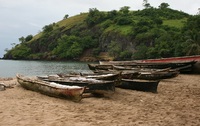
(177, 103)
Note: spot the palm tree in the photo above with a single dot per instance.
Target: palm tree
(194, 44)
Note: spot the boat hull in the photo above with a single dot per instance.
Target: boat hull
(173, 59)
(139, 85)
(155, 75)
(185, 64)
(74, 94)
(92, 85)
(196, 68)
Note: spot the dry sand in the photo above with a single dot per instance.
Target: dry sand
(177, 103)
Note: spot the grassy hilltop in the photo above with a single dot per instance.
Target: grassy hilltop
(114, 35)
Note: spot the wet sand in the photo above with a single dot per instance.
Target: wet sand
(177, 103)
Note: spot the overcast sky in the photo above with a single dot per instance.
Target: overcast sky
(24, 17)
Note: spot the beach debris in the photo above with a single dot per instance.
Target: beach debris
(2, 87)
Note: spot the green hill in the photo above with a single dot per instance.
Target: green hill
(114, 35)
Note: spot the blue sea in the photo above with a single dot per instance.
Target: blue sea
(9, 68)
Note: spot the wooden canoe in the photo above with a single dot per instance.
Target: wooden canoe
(146, 74)
(73, 93)
(100, 67)
(172, 59)
(140, 85)
(149, 75)
(157, 75)
(122, 68)
(192, 61)
(161, 60)
(151, 65)
(98, 76)
(94, 86)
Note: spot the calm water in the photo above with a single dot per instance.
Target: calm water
(9, 68)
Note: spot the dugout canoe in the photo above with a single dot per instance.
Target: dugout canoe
(99, 76)
(127, 74)
(73, 93)
(192, 63)
(94, 86)
(149, 65)
(140, 85)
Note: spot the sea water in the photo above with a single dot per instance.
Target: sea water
(9, 68)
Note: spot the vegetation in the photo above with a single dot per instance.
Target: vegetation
(123, 34)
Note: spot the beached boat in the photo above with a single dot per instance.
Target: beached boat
(130, 68)
(117, 62)
(191, 62)
(172, 59)
(100, 67)
(157, 75)
(140, 85)
(152, 65)
(128, 74)
(98, 76)
(73, 93)
(146, 75)
(161, 60)
(94, 86)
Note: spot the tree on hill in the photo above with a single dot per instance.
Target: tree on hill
(22, 39)
(66, 16)
(112, 14)
(146, 4)
(48, 28)
(192, 35)
(28, 38)
(124, 10)
(164, 5)
(94, 17)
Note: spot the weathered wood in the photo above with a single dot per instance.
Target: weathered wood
(73, 93)
(92, 85)
(173, 62)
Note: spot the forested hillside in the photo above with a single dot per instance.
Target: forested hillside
(123, 34)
